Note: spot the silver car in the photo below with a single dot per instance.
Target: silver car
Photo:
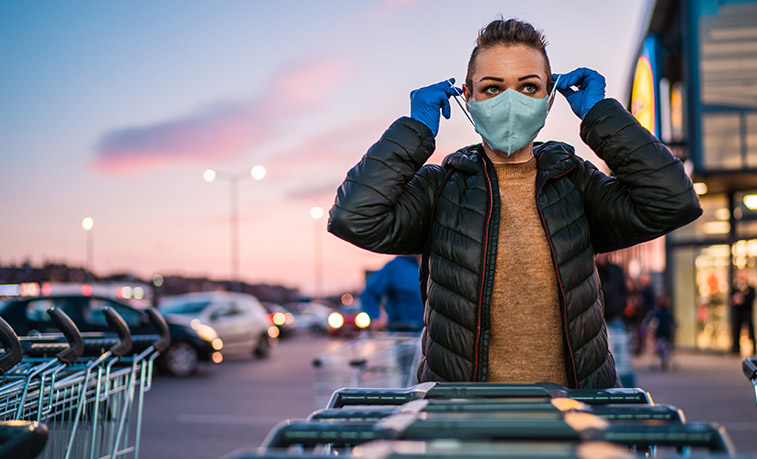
(240, 320)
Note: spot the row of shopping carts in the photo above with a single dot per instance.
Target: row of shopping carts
(464, 420)
(74, 395)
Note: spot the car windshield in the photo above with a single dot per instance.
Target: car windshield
(188, 307)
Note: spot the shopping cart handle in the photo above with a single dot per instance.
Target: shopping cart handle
(22, 439)
(749, 366)
(629, 412)
(69, 329)
(308, 434)
(116, 322)
(157, 321)
(369, 396)
(711, 436)
(11, 346)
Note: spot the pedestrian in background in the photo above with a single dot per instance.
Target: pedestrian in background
(395, 288)
(615, 290)
(742, 312)
(510, 227)
(647, 304)
(661, 320)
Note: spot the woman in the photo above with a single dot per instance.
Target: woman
(509, 229)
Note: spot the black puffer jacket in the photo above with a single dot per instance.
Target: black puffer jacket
(385, 205)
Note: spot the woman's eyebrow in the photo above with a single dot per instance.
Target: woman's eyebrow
(529, 76)
(492, 78)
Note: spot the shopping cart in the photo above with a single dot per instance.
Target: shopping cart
(453, 449)
(491, 420)
(610, 412)
(749, 367)
(27, 383)
(18, 439)
(378, 360)
(432, 390)
(91, 395)
(336, 437)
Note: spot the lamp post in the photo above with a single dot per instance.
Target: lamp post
(317, 214)
(88, 223)
(210, 175)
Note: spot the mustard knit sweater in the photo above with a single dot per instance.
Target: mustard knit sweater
(526, 336)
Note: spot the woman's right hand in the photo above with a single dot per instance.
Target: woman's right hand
(426, 102)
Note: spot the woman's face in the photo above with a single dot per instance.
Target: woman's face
(501, 67)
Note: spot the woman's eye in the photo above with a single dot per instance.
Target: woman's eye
(490, 90)
(529, 88)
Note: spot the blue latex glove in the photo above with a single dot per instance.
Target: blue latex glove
(426, 102)
(591, 89)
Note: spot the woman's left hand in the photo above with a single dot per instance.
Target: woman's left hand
(590, 89)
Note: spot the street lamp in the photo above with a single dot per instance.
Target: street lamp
(210, 175)
(88, 223)
(317, 214)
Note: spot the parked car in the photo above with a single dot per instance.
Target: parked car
(240, 320)
(310, 316)
(348, 321)
(281, 317)
(189, 344)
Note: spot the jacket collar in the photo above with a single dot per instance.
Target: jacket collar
(552, 159)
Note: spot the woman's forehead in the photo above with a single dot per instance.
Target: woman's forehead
(512, 61)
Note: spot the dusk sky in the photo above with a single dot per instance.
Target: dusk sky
(113, 110)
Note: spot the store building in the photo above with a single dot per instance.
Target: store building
(695, 87)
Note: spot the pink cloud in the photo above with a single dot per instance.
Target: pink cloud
(223, 131)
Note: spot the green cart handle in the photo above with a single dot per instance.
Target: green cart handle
(71, 332)
(13, 353)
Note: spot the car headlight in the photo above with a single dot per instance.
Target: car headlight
(206, 332)
(279, 318)
(362, 320)
(335, 320)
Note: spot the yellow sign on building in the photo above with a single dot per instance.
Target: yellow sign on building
(643, 94)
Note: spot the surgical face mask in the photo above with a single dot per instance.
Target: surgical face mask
(511, 120)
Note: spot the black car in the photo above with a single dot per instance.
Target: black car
(189, 345)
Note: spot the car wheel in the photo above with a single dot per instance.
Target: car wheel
(181, 359)
(262, 348)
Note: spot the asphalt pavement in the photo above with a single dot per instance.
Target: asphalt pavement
(708, 388)
(232, 405)
(235, 404)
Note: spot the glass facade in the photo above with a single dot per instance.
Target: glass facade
(707, 94)
(727, 49)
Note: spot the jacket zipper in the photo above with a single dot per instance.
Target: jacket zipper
(483, 274)
(559, 280)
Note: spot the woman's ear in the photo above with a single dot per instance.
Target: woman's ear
(466, 92)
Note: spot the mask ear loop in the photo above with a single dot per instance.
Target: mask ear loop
(552, 94)
(457, 97)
